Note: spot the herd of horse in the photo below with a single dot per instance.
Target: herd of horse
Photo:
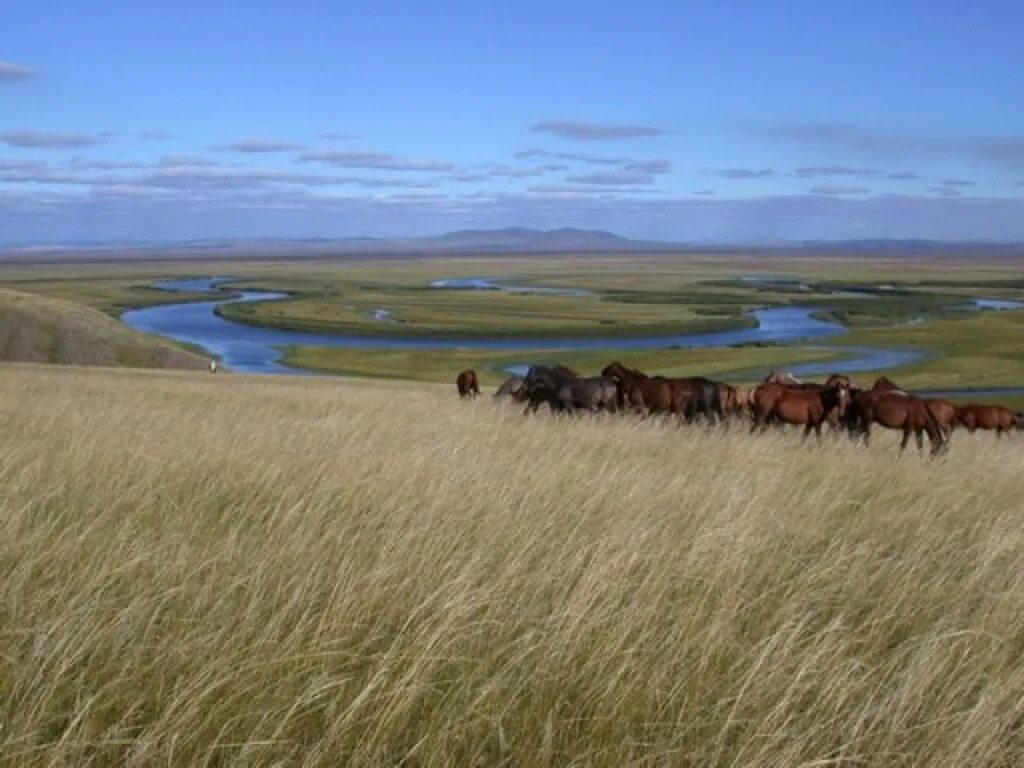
(779, 400)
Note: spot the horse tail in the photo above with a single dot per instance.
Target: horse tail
(692, 406)
(932, 426)
(620, 392)
(1018, 420)
(715, 402)
(958, 415)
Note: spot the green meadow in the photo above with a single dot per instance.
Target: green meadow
(918, 304)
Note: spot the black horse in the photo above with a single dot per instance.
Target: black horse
(569, 393)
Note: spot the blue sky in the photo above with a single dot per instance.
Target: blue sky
(680, 121)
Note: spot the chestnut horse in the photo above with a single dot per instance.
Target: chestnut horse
(467, 383)
(807, 407)
(995, 417)
(943, 410)
(835, 380)
(895, 410)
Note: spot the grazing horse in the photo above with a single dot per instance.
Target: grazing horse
(213, 366)
(944, 411)
(512, 387)
(570, 393)
(467, 383)
(896, 410)
(800, 406)
(995, 417)
(688, 397)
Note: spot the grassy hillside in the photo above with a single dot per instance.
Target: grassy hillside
(204, 570)
(36, 328)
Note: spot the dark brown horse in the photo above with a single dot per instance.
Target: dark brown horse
(640, 392)
(467, 383)
(895, 410)
(809, 408)
(687, 397)
(944, 411)
(995, 417)
(563, 370)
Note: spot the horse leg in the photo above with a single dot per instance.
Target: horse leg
(906, 439)
(919, 437)
(807, 431)
(760, 424)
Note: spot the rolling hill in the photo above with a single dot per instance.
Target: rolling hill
(39, 329)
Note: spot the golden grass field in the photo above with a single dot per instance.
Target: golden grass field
(223, 570)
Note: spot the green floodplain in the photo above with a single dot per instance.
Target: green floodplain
(917, 303)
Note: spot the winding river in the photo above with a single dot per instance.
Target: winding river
(254, 349)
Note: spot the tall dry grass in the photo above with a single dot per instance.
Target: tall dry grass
(214, 570)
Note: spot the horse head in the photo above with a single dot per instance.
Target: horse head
(540, 377)
(617, 370)
(613, 369)
(838, 378)
(836, 396)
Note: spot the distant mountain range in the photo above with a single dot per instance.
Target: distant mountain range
(507, 240)
(522, 239)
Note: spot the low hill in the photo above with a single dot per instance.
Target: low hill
(520, 239)
(506, 240)
(208, 570)
(39, 329)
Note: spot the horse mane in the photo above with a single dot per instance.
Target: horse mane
(632, 372)
(885, 384)
(785, 379)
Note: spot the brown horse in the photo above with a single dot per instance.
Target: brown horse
(944, 411)
(835, 380)
(809, 408)
(688, 397)
(895, 410)
(995, 417)
(467, 383)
